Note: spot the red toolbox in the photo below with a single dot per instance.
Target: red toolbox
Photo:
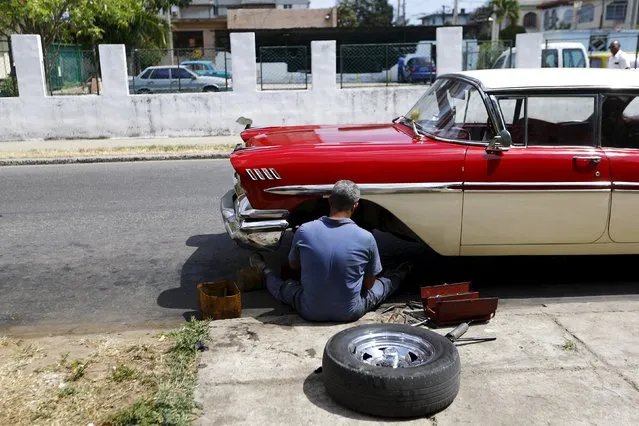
(448, 304)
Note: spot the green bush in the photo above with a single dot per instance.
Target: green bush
(9, 87)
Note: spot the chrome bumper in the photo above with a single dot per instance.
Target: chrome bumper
(250, 228)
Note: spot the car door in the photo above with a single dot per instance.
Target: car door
(551, 187)
(620, 142)
(183, 80)
(160, 81)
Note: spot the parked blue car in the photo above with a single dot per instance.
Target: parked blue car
(417, 68)
(205, 69)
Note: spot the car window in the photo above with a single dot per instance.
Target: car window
(573, 58)
(180, 73)
(160, 74)
(453, 109)
(620, 121)
(195, 67)
(513, 109)
(500, 62)
(556, 121)
(549, 58)
(146, 74)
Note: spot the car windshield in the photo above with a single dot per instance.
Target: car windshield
(451, 109)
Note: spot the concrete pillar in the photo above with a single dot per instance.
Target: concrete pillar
(449, 50)
(323, 65)
(244, 63)
(528, 50)
(115, 81)
(27, 55)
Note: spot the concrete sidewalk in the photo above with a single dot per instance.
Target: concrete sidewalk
(36, 152)
(77, 144)
(556, 363)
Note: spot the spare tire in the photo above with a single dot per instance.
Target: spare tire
(391, 370)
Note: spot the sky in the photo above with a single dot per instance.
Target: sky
(417, 8)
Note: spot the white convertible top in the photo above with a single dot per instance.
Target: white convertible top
(554, 78)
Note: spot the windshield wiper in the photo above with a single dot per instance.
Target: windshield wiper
(409, 121)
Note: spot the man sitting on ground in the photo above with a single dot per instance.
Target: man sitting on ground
(339, 263)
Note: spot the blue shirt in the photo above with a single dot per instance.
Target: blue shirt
(334, 255)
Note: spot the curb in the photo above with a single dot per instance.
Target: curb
(118, 159)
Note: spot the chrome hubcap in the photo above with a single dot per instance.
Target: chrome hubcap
(391, 350)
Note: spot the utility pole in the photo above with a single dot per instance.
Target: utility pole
(399, 7)
(454, 12)
(170, 40)
(404, 13)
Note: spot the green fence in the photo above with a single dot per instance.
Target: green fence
(71, 70)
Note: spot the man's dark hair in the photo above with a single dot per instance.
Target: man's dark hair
(344, 195)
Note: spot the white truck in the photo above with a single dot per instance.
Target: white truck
(553, 55)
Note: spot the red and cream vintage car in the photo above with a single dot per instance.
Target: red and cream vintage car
(495, 162)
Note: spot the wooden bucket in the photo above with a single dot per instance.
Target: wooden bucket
(219, 300)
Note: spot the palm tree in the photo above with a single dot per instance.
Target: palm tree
(505, 9)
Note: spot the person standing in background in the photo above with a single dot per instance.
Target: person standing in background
(618, 59)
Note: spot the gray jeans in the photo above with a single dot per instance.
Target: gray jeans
(289, 292)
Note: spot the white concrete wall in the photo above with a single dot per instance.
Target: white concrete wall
(115, 113)
(449, 50)
(528, 50)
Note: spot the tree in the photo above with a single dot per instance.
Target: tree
(510, 33)
(365, 13)
(84, 20)
(505, 9)
(346, 16)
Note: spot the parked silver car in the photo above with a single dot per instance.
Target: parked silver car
(171, 79)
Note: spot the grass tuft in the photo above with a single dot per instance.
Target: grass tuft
(121, 373)
(570, 346)
(173, 402)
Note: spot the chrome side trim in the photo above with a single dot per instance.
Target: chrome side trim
(543, 185)
(426, 187)
(369, 188)
(625, 186)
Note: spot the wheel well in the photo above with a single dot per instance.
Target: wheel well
(369, 215)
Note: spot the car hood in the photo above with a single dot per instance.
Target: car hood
(308, 135)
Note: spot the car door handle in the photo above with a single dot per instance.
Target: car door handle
(587, 159)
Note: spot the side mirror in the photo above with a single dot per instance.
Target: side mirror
(500, 143)
(193, 77)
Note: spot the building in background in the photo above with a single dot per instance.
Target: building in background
(281, 18)
(440, 19)
(195, 26)
(537, 15)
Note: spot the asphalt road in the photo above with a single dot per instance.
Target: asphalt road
(126, 243)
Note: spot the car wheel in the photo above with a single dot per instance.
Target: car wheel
(211, 89)
(391, 370)
(143, 92)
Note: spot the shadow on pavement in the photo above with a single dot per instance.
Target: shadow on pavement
(217, 257)
(515, 277)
